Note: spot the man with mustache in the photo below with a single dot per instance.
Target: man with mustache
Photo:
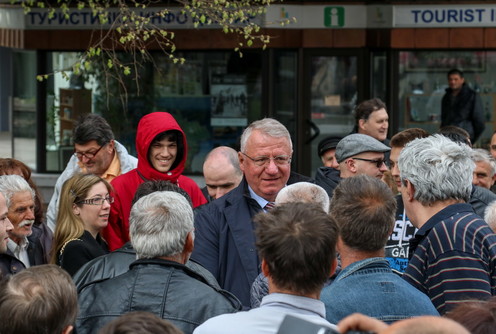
(23, 247)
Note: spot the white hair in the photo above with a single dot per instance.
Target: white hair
(438, 168)
(490, 215)
(13, 184)
(159, 224)
(304, 192)
(268, 126)
(480, 154)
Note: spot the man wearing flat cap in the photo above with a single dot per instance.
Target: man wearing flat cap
(357, 154)
(327, 151)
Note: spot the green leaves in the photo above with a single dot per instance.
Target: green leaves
(133, 26)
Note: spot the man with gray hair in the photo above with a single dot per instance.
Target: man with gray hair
(162, 234)
(485, 168)
(453, 254)
(24, 248)
(221, 172)
(225, 242)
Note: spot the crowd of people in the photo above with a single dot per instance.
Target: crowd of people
(392, 236)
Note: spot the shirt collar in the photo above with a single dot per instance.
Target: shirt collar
(304, 304)
(15, 248)
(444, 214)
(260, 200)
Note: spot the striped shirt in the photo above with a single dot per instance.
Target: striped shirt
(453, 258)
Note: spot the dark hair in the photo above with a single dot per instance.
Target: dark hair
(152, 186)
(39, 300)
(364, 109)
(456, 134)
(7, 167)
(479, 317)
(92, 127)
(173, 136)
(139, 322)
(364, 208)
(297, 241)
(404, 137)
(455, 71)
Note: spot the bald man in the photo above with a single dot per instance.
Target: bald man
(221, 172)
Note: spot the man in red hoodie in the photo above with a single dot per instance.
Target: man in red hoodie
(162, 152)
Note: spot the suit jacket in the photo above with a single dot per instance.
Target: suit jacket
(225, 239)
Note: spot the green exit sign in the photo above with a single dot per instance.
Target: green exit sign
(334, 17)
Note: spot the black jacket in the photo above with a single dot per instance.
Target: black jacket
(328, 178)
(466, 111)
(118, 262)
(79, 251)
(165, 288)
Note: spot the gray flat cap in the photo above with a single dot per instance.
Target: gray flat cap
(357, 143)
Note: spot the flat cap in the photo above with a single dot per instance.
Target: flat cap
(327, 144)
(357, 143)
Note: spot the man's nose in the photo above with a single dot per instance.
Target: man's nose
(271, 167)
(30, 214)
(383, 167)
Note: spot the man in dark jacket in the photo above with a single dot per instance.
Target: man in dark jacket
(225, 241)
(161, 231)
(24, 248)
(461, 106)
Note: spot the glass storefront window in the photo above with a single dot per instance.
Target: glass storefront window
(24, 107)
(333, 98)
(213, 96)
(423, 80)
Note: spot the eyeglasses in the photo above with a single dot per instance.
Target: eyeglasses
(88, 155)
(279, 160)
(378, 163)
(96, 200)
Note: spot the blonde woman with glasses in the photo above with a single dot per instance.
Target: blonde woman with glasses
(84, 209)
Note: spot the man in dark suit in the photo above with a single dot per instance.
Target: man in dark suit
(225, 241)
(23, 247)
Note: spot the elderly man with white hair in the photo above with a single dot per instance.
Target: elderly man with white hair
(162, 234)
(24, 248)
(453, 253)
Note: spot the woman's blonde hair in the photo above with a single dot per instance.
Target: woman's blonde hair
(70, 226)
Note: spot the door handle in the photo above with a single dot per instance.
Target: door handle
(316, 130)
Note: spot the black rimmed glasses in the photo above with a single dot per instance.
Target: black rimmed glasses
(88, 155)
(279, 160)
(378, 163)
(96, 200)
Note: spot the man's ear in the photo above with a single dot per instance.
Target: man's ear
(410, 190)
(350, 164)
(111, 145)
(493, 180)
(189, 244)
(334, 265)
(241, 159)
(265, 268)
(361, 122)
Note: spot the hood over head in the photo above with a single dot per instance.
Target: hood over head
(148, 128)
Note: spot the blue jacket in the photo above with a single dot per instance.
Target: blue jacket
(370, 287)
(225, 241)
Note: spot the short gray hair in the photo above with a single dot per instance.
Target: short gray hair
(159, 224)
(305, 192)
(490, 215)
(268, 126)
(438, 168)
(13, 184)
(480, 154)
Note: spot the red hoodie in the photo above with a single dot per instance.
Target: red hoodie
(125, 185)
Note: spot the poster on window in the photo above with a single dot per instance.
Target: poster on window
(229, 100)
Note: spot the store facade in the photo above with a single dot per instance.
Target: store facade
(310, 77)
